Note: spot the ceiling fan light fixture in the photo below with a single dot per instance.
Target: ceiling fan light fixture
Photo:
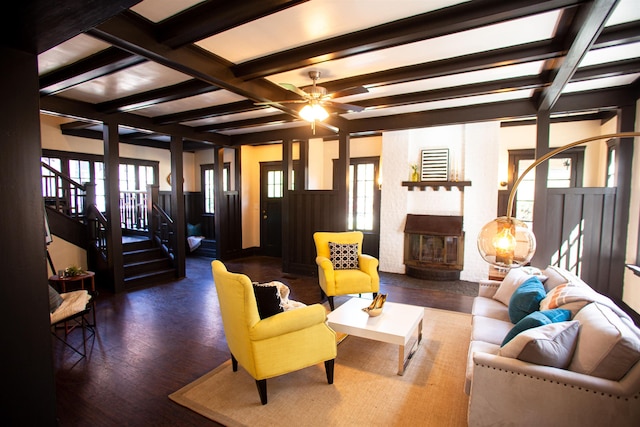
(313, 112)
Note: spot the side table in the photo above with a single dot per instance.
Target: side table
(85, 280)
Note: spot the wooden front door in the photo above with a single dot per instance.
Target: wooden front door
(271, 193)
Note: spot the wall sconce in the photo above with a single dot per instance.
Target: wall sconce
(507, 242)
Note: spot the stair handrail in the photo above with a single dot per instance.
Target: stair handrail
(98, 226)
(68, 198)
(163, 230)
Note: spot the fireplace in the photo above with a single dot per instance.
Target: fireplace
(434, 247)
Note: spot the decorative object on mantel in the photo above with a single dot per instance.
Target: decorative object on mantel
(507, 242)
(435, 164)
(415, 176)
(447, 185)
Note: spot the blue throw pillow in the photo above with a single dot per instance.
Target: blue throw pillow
(526, 299)
(538, 318)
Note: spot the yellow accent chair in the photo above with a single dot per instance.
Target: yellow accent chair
(279, 344)
(335, 282)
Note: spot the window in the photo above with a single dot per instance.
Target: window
(611, 164)
(565, 170)
(275, 184)
(362, 194)
(208, 179)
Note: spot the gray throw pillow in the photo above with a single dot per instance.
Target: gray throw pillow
(55, 300)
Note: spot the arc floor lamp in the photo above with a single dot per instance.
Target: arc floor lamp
(507, 242)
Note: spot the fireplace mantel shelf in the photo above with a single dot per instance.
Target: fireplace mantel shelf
(436, 184)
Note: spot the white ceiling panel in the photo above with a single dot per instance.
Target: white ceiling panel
(66, 53)
(609, 54)
(136, 79)
(217, 97)
(603, 83)
(309, 22)
(245, 115)
(625, 11)
(158, 10)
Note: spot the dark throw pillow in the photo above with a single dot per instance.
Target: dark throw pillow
(55, 300)
(344, 256)
(526, 299)
(267, 299)
(538, 318)
(194, 230)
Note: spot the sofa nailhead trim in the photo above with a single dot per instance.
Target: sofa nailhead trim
(635, 397)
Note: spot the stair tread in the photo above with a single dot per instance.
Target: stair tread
(148, 261)
(149, 274)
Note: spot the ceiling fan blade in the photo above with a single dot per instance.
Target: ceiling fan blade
(286, 101)
(295, 90)
(356, 90)
(347, 107)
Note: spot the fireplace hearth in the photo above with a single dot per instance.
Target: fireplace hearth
(434, 247)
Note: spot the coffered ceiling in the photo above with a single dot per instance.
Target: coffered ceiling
(198, 68)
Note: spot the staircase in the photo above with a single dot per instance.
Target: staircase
(145, 265)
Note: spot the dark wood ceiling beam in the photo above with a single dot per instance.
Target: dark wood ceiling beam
(537, 51)
(484, 88)
(78, 124)
(258, 121)
(213, 17)
(205, 113)
(616, 35)
(156, 96)
(131, 33)
(462, 17)
(618, 68)
(71, 108)
(589, 25)
(277, 136)
(97, 65)
(603, 99)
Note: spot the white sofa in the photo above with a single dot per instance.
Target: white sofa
(507, 391)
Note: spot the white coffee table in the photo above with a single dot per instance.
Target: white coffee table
(396, 325)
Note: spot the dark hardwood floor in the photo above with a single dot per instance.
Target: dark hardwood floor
(150, 342)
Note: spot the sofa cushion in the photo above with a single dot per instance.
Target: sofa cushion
(548, 345)
(526, 299)
(537, 318)
(488, 307)
(571, 296)
(489, 330)
(267, 299)
(512, 281)
(344, 256)
(607, 347)
(558, 276)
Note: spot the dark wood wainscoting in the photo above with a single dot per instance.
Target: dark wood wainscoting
(580, 226)
(308, 211)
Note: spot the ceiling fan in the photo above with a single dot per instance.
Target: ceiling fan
(318, 99)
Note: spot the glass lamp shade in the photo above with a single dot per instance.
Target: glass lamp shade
(313, 112)
(506, 242)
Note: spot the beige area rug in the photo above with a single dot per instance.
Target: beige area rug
(366, 390)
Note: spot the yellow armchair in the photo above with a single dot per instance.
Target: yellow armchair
(276, 345)
(335, 282)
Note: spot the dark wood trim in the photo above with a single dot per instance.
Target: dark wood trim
(588, 26)
(177, 206)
